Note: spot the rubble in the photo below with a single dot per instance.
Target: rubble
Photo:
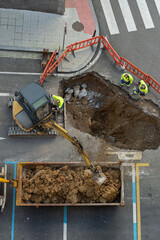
(67, 97)
(83, 93)
(76, 90)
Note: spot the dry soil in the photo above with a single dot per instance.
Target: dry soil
(110, 113)
(45, 184)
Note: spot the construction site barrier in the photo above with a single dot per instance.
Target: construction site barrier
(122, 62)
(111, 50)
(139, 73)
(83, 44)
(50, 62)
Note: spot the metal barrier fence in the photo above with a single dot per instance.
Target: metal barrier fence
(119, 60)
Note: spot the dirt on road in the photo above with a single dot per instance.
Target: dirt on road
(98, 107)
(45, 184)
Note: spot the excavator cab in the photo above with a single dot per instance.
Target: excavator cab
(31, 106)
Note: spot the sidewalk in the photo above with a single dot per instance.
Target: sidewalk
(32, 31)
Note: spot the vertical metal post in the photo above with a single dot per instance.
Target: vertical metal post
(65, 32)
(94, 34)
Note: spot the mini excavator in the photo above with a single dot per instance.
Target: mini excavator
(32, 112)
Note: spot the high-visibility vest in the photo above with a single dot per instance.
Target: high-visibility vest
(130, 79)
(61, 100)
(146, 87)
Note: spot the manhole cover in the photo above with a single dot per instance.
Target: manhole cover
(77, 26)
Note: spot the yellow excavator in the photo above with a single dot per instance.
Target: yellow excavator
(32, 112)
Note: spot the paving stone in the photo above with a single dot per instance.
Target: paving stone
(40, 38)
(25, 36)
(26, 29)
(11, 28)
(11, 35)
(18, 43)
(25, 43)
(5, 14)
(33, 44)
(4, 21)
(33, 37)
(11, 21)
(12, 15)
(10, 43)
(19, 29)
(40, 44)
(19, 22)
(18, 36)
(20, 15)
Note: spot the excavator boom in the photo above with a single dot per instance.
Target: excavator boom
(98, 176)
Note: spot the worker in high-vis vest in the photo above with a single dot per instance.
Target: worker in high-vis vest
(142, 89)
(57, 102)
(126, 79)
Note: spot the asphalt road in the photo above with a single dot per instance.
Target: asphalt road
(113, 223)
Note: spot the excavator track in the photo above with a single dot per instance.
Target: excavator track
(15, 130)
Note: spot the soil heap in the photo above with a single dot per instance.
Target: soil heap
(102, 109)
(45, 184)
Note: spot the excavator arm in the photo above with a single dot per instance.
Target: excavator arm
(63, 132)
(98, 176)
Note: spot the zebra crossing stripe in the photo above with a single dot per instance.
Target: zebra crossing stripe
(157, 2)
(110, 18)
(127, 15)
(143, 8)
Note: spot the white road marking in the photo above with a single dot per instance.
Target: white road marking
(1, 138)
(127, 15)
(65, 224)
(134, 213)
(128, 156)
(20, 73)
(4, 94)
(109, 15)
(157, 2)
(143, 8)
(64, 231)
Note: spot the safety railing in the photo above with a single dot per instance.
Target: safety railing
(111, 50)
(50, 62)
(83, 44)
(51, 68)
(140, 74)
(153, 83)
(132, 68)
(119, 60)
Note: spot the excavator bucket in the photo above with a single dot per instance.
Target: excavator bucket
(98, 177)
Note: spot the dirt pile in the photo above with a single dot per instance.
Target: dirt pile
(45, 184)
(102, 109)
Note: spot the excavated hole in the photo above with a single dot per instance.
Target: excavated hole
(98, 107)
